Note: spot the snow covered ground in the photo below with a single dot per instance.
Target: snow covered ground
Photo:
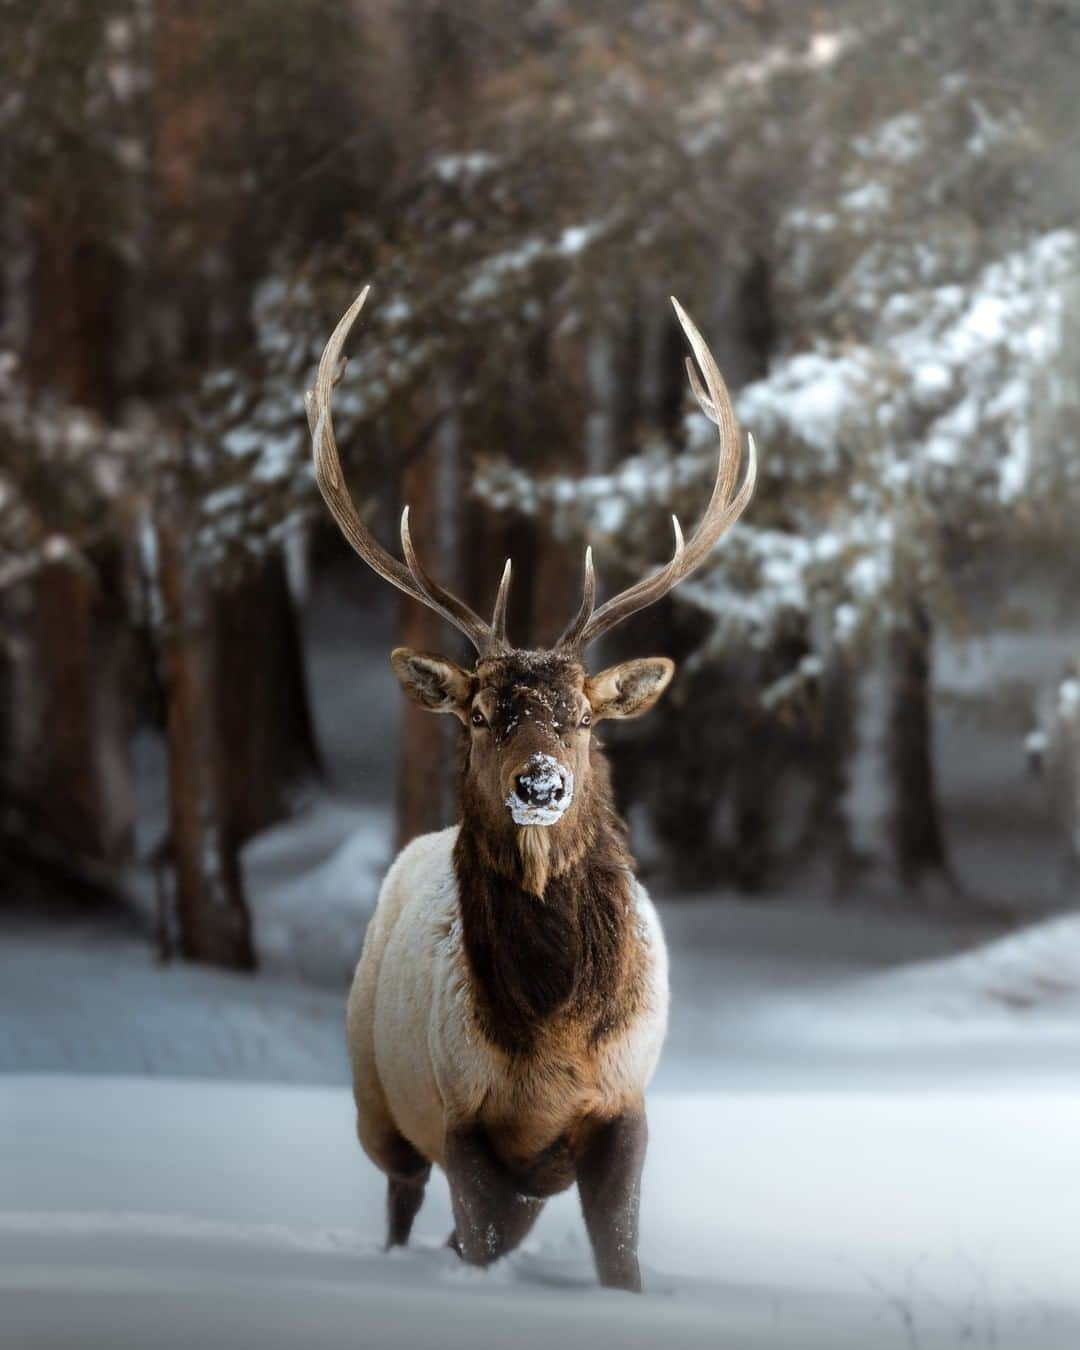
(181, 1212)
(865, 1133)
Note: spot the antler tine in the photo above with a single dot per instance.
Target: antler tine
(502, 599)
(572, 634)
(441, 600)
(720, 514)
(413, 580)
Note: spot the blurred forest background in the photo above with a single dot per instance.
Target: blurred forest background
(869, 208)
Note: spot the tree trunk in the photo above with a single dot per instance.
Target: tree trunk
(1071, 869)
(918, 842)
(754, 786)
(262, 706)
(211, 911)
(755, 318)
(72, 321)
(832, 786)
(427, 782)
(72, 779)
(686, 773)
(553, 406)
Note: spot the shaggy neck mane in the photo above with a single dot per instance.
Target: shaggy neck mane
(547, 921)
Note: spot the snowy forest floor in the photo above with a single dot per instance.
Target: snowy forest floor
(863, 1134)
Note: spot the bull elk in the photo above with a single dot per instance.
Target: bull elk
(511, 998)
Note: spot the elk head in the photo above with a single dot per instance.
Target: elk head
(532, 768)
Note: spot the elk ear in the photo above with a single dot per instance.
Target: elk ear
(630, 689)
(433, 682)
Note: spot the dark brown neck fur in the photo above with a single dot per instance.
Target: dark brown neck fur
(564, 954)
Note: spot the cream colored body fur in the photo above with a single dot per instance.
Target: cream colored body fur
(419, 1061)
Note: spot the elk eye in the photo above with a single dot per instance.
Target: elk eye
(586, 720)
(478, 718)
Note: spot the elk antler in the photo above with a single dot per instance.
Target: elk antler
(722, 512)
(410, 578)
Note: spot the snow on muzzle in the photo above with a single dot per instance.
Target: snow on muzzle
(542, 791)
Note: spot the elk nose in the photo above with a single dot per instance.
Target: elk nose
(534, 791)
(542, 782)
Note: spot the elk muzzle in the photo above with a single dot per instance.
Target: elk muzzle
(543, 789)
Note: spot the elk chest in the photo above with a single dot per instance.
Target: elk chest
(548, 1085)
(536, 1101)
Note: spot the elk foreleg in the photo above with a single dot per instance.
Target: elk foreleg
(609, 1183)
(491, 1216)
(407, 1174)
